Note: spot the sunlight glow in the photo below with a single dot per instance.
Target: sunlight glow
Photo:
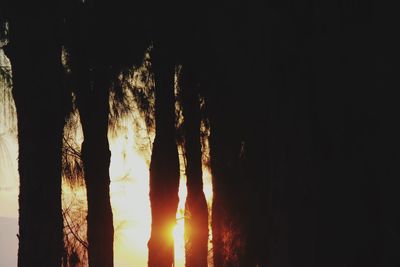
(129, 174)
(179, 229)
(129, 190)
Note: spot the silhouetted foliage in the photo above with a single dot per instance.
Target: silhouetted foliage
(294, 97)
(72, 165)
(75, 239)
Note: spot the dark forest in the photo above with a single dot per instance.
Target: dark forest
(289, 104)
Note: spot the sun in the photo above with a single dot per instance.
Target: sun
(129, 171)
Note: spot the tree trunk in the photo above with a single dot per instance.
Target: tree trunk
(196, 210)
(37, 91)
(164, 166)
(93, 109)
(92, 81)
(227, 203)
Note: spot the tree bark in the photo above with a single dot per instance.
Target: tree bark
(93, 81)
(38, 95)
(93, 109)
(164, 166)
(196, 210)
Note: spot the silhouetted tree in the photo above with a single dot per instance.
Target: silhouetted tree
(164, 166)
(196, 210)
(236, 91)
(99, 48)
(293, 112)
(225, 82)
(38, 93)
(92, 86)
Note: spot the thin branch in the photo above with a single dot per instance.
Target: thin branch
(79, 239)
